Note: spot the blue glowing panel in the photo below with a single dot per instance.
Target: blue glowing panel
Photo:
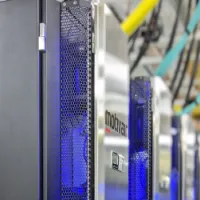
(196, 170)
(140, 136)
(175, 179)
(76, 104)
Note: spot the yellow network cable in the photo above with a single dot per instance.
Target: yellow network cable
(135, 19)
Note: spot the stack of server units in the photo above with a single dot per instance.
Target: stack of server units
(140, 140)
(176, 172)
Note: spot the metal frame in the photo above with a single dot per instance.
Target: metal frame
(51, 102)
(161, 128)
(100, 39)
(185, 130)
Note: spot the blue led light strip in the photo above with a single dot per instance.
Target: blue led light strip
(176, 50)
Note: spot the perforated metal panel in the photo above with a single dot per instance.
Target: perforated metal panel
(176, 176)
(196, 169)
(77, 101)
(140, 136)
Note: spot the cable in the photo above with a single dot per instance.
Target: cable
(133, 37)
(188, 109)
(185, 68)
(182, 52)
(142, 52)
(194, 71)
(135, 19)
(176, 50)
(150, 73)
(129, 5)
(148, 37)
(171, 41)
(132, 40)
(115, 13)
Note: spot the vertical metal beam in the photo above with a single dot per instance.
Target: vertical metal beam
(51, 101)
(100, 101)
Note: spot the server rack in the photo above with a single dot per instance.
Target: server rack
(188, 157)
(48, 116)
(47, 100)
(140, 137)
(196, 169)
(176, 165)
(161, 128)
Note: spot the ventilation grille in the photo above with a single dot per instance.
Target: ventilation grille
(176, 176)
(140, 135)
(76, 104)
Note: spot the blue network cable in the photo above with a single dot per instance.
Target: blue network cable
(176, 50)
(190, 107)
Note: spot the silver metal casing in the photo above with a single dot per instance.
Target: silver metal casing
(188, 157)
(162, 140)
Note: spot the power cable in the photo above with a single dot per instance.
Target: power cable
(194, 71)
(185, 68)
(115, 13)
(171, 41)
(148, 37)
(182, 52)
(176, 50)
(136, 18)
(189, 108)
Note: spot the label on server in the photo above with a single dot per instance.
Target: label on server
(117, 162)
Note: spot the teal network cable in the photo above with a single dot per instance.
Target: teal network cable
(188, 109)
(176, 50)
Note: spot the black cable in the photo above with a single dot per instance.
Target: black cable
(182, 52)
(115, 13)
(171, 41)
(142, 52)
(133, 37)
(194, 71)
(152, 24)
(132, 40)
(171, 87)
(185, 68)
(150, 73)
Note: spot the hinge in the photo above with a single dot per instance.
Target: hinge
(42, 37)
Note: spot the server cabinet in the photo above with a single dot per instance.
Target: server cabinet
(140, 140)
(47, 100)
(161, 138)
(176, 165)
(188, 157)
(196, 168)
(20, 105)
(190, 172)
